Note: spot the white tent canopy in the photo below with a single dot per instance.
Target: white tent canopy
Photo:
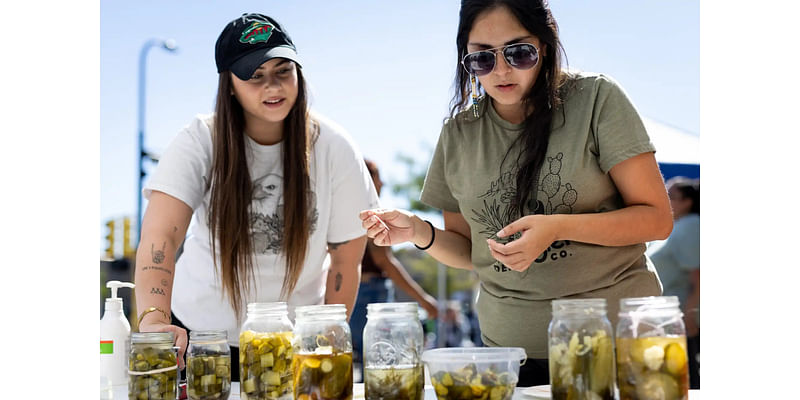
(673, 145)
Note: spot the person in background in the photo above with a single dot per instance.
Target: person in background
(677, 261)
(547, 180)
(381, 272)
(456, 326)
(272, 188)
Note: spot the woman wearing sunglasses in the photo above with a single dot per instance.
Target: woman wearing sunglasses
(547, 181)
(273, 189)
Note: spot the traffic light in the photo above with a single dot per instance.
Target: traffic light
(110, 239)
(127, 250)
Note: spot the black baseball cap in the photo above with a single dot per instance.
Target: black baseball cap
(249, 41)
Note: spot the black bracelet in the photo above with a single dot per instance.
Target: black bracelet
(433, 236)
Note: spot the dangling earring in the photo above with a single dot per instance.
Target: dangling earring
(474, 95)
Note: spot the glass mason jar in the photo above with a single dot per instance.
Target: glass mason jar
(323, 353)
(581, 350)
(153, 366)
(393, 342)
(208, 365)
(265, 352)
(651, 349)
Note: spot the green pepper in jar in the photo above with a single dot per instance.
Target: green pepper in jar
(208, 376)
(264, 364)
(652, 368)
(400, 383)
(583, 367)
(467, 383)
(150, 386)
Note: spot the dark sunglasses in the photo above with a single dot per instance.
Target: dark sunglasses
(518, 55)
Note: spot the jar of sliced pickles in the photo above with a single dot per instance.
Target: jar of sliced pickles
(393, 342)
(152, 366)
(581, 350)
(208, 366)
(265, 352)
(651, 349)
(323, 353)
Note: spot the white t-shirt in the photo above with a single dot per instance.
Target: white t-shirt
(341, 187)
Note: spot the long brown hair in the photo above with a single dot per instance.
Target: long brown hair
(231, 188)
(543, 98)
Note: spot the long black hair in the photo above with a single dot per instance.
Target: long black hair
(543, 98)
(231, 192)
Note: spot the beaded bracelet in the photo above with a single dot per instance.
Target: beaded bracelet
(433, 236)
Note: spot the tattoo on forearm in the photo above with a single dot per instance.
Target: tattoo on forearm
(158, 291)
(164, 282)
(158, 255)
(153, 267)
(338, 281)
(174, 229)
(334, 246)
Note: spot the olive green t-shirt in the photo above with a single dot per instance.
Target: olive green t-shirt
(599, 128)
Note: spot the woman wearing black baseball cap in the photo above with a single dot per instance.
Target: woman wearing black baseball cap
(274, 189)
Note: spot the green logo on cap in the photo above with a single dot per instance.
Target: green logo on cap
(257, 32)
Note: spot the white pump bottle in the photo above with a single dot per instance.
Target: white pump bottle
(115, 334)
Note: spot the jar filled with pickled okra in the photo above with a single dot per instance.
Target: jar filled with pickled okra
(393, 342)
(323, 353)
(265, 352)
(208, 366)
(581, 351)
(152, 366)
(652, 361)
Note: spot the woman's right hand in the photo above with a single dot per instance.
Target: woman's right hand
(179, 333)
(388, 227)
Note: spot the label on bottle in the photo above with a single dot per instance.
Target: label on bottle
(106, 347)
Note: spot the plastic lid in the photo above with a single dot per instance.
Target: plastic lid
(470, 354)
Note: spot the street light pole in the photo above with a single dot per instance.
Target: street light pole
(171, 47)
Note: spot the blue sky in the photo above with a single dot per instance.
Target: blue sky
(383, 70)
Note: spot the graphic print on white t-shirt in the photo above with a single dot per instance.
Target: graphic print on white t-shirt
(266, 213)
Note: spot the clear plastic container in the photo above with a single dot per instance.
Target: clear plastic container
(468, 373)
(153, 366)
(208, 366)
(651, 349)
(265, 352)
(323, 353)
(581, 350)
(393, 342)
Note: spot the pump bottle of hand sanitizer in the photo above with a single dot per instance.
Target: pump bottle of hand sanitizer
(115, 333)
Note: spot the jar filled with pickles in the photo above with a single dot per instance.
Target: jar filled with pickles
(651, 349)
(393, 342)
(152, 366)
(265, 352)
(208, 366)
(323, 353)
(581, 350)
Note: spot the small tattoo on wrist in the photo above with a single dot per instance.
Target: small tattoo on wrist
(157, 291)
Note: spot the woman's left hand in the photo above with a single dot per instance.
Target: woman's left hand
(538, 233)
